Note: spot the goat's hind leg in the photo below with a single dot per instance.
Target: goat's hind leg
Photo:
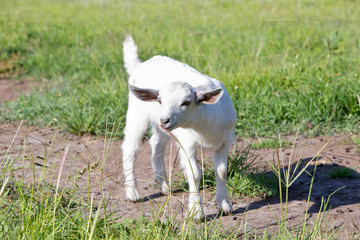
(158, 142)
(134, 131)
(219, 159)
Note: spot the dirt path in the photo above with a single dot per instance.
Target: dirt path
(9, 89)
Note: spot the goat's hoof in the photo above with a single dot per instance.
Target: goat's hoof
(224, 213)
(165, 189)
(133, 195)
(225, 208)
(133, 200)
(196, 213)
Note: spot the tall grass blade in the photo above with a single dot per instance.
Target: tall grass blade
(95, 221)
(61, 167)
(4, 185)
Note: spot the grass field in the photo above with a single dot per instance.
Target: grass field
(286, 64)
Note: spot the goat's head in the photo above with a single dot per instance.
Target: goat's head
(178, 101)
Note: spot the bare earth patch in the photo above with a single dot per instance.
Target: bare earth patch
(103, 157)
(9, 88)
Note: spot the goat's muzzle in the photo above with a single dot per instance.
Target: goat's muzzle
(164, 120)
(167, 124)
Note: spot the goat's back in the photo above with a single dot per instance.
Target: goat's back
(160, 70)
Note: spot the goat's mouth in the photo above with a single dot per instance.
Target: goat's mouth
(168, 128)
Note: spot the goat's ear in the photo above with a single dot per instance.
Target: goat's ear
(209, 97)
(144, 94)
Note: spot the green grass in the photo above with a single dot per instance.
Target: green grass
(29, 212)
(341, 172)
(286, 64)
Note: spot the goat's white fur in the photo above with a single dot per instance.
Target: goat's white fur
(197, 110)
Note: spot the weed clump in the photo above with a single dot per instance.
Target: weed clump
(243, 179)
(341, 172)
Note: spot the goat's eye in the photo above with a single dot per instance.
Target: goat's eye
(186, 103)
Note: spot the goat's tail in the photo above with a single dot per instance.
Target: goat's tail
(131, 59)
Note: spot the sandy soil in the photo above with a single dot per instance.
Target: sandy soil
(103, 157)
(9, 89)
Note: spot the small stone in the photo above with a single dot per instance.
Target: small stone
(340, 211)
(348, 149)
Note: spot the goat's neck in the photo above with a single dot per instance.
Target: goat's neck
(204, 119)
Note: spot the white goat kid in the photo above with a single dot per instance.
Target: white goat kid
(167, 94)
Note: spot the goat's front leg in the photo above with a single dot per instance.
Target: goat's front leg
(192, 173)
(158, 142)
(134, 131)
(219, 159)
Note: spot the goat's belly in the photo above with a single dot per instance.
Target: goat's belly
(211, 145)
(187, 136)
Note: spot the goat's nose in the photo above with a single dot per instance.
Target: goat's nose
(164, 120)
